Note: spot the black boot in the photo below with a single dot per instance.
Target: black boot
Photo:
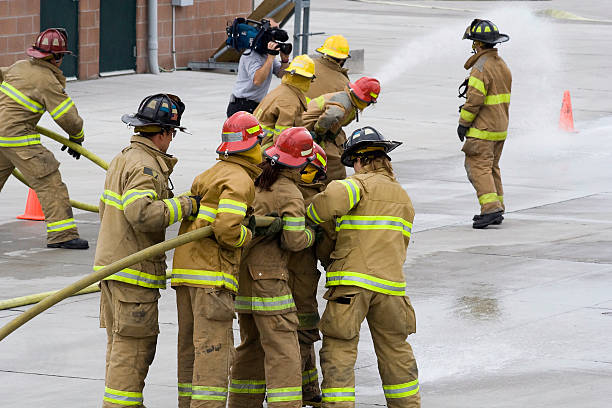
(76, 243)
(483, 221)
(312, 401)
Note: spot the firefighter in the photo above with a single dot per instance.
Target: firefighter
(205, 272)
(304, 280)
(329, 66)
(283, 107)
(484, 119)
(135, 209)
(365, 280)
(29, 88)
(327, 114)
(268, 358)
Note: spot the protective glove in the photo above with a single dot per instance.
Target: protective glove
(71, 152)
(272, 229)
(319, 233)
(461, 131)
(195, 204)
(252, 224)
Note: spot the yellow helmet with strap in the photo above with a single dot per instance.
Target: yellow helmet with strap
(302, 65)
(335, 46)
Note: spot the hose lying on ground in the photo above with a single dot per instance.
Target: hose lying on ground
(108, 270)
(74, 203)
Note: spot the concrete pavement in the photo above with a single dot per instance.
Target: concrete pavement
(515, 315)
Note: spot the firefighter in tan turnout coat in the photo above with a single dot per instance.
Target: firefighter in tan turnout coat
(136, 207)
(268, 358)
(329, 113)
(283, 107)
(484, 120)
(329, 67)
(374, 218)
(205, 272)
(28, 89)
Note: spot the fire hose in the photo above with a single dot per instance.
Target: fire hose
(92, 278)
(76, 147)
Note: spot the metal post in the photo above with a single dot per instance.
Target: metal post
(297, 28)
(306, 26)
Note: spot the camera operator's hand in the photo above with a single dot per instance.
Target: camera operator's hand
(284, 58)
(273, 48)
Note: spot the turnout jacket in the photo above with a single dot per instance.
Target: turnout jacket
(135, 209)
(263, 270)
(373, 217)
(280, 109)
(326, 115)
(485, 110)
(28, 89)
(331, 77)
(227, 193)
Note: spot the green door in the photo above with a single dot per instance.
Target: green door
(63, 13)
(117, 35)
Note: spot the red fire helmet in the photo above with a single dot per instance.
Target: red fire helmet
(49, 42)
(366, 88)
(241, 132)
(293, 148)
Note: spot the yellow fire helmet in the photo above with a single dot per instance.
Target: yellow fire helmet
(302, 65)
(335, 46)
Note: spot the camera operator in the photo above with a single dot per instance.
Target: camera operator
(255, 71)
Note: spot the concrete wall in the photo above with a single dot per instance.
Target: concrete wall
(200, 29)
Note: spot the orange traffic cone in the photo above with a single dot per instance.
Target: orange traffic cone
(566, 121)
(33, 210)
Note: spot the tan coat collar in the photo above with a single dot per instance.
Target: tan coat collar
(56, 71)
(298, 93)
(368, 170)
(291, 174)
(253, 170)
(333, 65)
(154, 151)
(472, 60)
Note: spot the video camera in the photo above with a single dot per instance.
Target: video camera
(249, 34)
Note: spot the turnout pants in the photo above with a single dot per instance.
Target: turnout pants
(40, 168)
(129, 313)
(268, 359)
(391, 319)
(303, 286)
(205, 346)
(482, 167)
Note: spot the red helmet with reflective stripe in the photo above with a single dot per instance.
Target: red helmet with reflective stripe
(241, 132)
(49, 42)
(366, 88)
(320, 158)
(293, 148)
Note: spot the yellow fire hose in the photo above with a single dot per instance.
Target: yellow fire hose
(108, 270)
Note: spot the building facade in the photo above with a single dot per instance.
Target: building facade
(111, 36)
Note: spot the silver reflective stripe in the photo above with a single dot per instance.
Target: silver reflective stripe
(205, 278)
(138, 193)
(295, 223)
(207, 213)
(18, 140)
(212, 393)
(241, 303)
(363, 280)
(185, 389)
(175, 206)
(231, 207)
(402, 390)
(106, 196)
(231, 137)
(284, 394)
(338, 394)
(124, 274)
(374, 222)
(28, 104)
(122, 398)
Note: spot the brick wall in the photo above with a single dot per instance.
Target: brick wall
(89, 38)
(200, 29)
(19, 23)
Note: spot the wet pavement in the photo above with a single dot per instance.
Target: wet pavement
(514, 315)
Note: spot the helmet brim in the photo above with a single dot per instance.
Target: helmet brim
(237, 147)
(285, 159)
(332, 53)
(34, 53)
(388, 145)
(501, 38)
(133, 120)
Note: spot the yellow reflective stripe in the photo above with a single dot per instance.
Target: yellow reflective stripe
(243, 235)
(79, 135)
(136, 277)
(247, 386)
(486, 135)
(487, 198)
(207, 393)
(133, 194)
(500, 198)
(478, 84)
(207, 213)
(312, 214)
(174, 207)
(401, 390)
(294, 223)
(309, 236)
(184, 389)
(284, 394)
(232, 207)
(253, 129)
(21, 99)
(264, 303)
(125, 398)
(202, 277)
(497, 99)
(341, 278)
(338, 394)
(62, 108)
(374, 222)
(278, 128)
(467, 116)
(320, 101)
(19, 141)
(373, 95)
(321, 159)
(353, 191)
(309, 376)
(61, 225)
